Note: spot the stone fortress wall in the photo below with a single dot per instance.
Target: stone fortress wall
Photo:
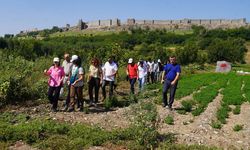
(168, 24)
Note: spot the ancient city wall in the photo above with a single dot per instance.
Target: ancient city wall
(184, 23)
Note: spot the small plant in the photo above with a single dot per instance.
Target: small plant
(181, 111)
(216, 124)
(237, 127)
(169, 120)
(236, 111)
(110, 102)
(185, 123)
(187, 106)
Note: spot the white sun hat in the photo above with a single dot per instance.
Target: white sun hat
(56, 59)
(74, 57)
(130, 60)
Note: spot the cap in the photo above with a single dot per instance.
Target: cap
(159, 60)
(74, 57)
(56, 59)
(130, 60)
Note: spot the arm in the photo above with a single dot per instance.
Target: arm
(176, 78)
(163, 75)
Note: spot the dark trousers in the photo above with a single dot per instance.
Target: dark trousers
(53, 95)
(167, 85)
(94, 83)
(111, 88)
(132, 85)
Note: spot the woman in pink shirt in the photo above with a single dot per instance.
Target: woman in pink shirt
(56, 76)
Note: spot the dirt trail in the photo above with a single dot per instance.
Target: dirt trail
(200, 131)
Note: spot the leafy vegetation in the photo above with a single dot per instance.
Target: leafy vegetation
(169, 120)
(237, 127)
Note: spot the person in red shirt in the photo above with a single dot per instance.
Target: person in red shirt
(132, 73)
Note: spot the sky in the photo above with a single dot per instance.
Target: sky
(17, 15)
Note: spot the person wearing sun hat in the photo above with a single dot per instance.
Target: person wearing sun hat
(56, 76)
(132, 73)
(76, 84)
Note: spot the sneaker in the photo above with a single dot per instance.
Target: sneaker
(164, 105)
(80, 109)
(53, 109)
(65, 108)
(71, 110)
(170, 108)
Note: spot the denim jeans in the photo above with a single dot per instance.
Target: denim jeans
(132, 85)
(166, 86)
(111, 88)
(141, 83)
(53, 95)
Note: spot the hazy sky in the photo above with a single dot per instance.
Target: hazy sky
(17, 15)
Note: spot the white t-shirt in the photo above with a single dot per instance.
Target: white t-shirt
(109, 71)
(156, 67)
(67, 67)
(151, 66)
(142, 72)
(80, 71)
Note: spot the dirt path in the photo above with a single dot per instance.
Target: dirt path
(200, 131)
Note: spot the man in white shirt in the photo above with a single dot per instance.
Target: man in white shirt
(151, 71)
(109, 71)
(67, 66)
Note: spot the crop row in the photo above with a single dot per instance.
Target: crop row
(208, 94)
(232, 95)
(191, 83)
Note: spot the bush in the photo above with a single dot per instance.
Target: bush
(237, 127)
(236, 111)
(216, 125)
(187, 106)
(169, 120)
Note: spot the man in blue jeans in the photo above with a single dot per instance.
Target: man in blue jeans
(170, 76)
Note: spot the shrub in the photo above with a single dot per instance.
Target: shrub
(216, 125)
(237, 127)
(169, 120)
(187, 106)
(236, 111)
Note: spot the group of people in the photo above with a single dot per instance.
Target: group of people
(70, 77)
(145, 71)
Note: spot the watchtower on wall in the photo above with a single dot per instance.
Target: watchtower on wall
(81, 25)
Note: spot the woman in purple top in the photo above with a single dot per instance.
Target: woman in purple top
(56, 76)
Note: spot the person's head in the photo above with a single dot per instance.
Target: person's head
(66, 57)
(56, 61)
(95, 62)
(159, 61)
(141, 63)
(74, 59)
(111, 59)
(172, 60)
(130, 61)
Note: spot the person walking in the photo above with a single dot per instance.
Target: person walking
(56, 77)
(170, 77)
(95, 77)
(67, 66)
(142, 73)
(109, 72)
(132, 73)
(150, 71)
(76, 84)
